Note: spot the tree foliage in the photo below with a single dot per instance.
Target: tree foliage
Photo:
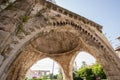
(86, 73)
(91, 72)
(76, 76)
(98, 70)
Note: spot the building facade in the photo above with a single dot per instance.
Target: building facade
(37, 73)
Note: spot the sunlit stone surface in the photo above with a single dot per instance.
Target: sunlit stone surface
(31, 30)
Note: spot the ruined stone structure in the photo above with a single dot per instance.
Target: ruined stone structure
(31, 30)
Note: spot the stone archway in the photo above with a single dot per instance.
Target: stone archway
(46, 67)
(103, 59)
(41, 29)
(21, 65)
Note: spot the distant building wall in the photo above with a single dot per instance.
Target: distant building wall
(37, 73)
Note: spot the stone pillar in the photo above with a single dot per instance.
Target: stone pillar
(66, 63)
(67, 71)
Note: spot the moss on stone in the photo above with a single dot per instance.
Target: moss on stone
(10, 6)
(25, 18)
(49, 23)
(20, 29)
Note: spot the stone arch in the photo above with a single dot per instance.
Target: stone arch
(22, 63)
(84, 55)
(49, 65)
(56, 42)
(102, 56)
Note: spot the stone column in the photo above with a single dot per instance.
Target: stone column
(66, 63)
(67, 70)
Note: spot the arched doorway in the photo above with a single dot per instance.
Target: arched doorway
(84, 57)
(24, 62)
(45, 68)
(87, 67)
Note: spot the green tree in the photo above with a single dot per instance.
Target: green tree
(55, 76)
(26, 78)
(44, 78)
(36, 79)
(86, 73)
(84, 64)
(91, 72)
(98, 70)
(76, 76)
(59, 76)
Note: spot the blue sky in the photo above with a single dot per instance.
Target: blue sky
(103, 12)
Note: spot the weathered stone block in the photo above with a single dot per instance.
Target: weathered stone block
(3, 36)
(7, 24)
(13, 13)
(1, 59)
(3, 76)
